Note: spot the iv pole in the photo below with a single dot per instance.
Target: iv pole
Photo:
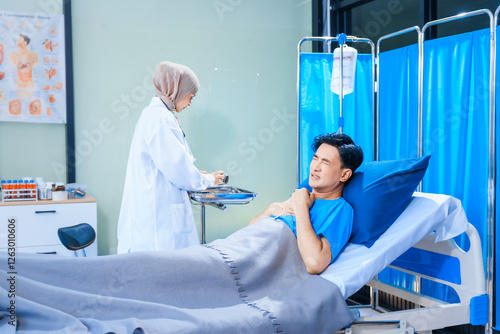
(342, 39)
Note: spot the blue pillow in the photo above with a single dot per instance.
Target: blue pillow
(379, 192)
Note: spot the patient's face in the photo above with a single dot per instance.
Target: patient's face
(326, 172)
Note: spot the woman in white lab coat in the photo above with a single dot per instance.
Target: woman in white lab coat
(156, 213)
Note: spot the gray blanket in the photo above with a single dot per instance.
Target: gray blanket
(254, 281)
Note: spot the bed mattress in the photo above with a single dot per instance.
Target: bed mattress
(426, 213)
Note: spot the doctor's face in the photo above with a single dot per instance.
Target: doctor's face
(184, 103)
(326, 172)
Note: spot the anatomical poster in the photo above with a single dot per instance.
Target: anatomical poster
(32, 68)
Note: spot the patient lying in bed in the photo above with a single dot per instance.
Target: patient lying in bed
(321, 219)
(256, 280)
(253, 281)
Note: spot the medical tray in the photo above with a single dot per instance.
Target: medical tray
(222, 194)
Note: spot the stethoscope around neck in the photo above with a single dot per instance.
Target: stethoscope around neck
(173, 115)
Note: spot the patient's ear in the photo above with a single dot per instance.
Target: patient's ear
(346, 174)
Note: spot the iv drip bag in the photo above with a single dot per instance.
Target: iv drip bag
(350, 56)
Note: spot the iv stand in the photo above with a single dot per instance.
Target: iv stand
(342, 39)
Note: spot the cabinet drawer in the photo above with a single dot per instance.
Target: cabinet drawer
(58, 249)
(37, 225)
(54, 249)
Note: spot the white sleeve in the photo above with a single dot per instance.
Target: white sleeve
(173, 159)
(210, 178)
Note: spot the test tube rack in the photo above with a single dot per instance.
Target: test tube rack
(23, 193)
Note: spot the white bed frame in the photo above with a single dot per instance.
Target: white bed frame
(430, 313)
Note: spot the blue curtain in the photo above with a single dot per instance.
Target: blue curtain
(455, 111)
(398, 121)
(319, 107)
(455, 117)
(398, 103)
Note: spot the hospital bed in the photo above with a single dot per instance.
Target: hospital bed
(448, 266)
(257, 276)
(428, 224)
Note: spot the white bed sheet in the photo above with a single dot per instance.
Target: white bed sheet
(426, 213)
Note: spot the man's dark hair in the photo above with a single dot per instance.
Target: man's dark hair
(351, 155)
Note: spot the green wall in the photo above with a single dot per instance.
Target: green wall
(243, 119)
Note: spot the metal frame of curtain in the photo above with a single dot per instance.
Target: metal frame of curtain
(416, 284)
(491, 168)
(419, 100)
(491, 226)
(491, 146)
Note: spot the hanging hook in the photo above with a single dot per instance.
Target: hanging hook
(341, 38)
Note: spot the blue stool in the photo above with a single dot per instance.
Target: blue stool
(77, 237)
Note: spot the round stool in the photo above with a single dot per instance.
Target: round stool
(77, 237)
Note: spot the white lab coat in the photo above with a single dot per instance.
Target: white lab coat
(156, 213)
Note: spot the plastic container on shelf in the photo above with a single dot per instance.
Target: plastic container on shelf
(60, 195)
(45, 193)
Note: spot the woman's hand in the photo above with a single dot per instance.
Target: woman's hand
(219, 177)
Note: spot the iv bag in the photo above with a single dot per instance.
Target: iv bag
(350, 56)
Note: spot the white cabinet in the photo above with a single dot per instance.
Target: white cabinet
(37, 222)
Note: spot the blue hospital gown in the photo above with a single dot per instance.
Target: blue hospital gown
(331, 219)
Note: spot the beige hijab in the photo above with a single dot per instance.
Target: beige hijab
(173, 82)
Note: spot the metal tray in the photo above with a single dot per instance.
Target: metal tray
(222, 194)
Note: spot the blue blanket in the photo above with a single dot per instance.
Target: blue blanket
(254, 281)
